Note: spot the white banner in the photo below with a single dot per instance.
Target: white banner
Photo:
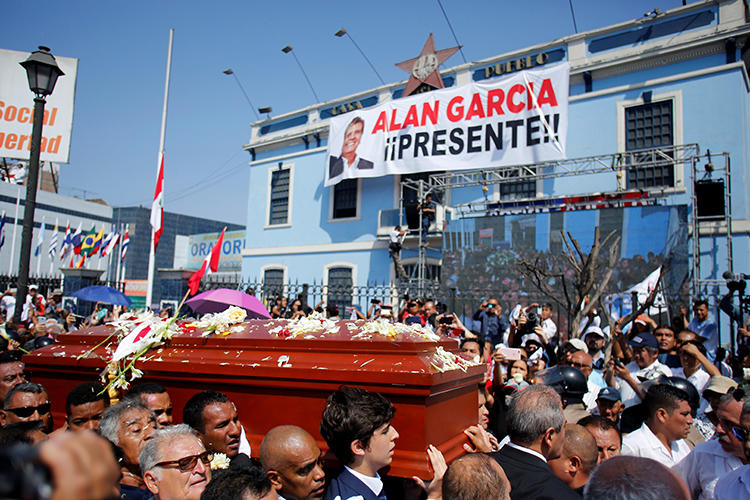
(517, 119)
(17, 107)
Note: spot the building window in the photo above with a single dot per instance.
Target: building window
(279, 203)
(273, 282)
(345, 199)
(340, 284)
(649, 126)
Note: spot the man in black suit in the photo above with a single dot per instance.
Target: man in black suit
(349, 158)
(536, 427)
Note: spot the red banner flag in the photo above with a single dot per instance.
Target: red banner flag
(210, 265)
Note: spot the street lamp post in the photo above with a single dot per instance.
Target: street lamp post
(42, 72)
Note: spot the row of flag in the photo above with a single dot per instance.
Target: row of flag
(77, 243)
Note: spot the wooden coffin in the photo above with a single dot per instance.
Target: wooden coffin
(277, 380)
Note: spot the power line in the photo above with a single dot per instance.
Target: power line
(460, 47)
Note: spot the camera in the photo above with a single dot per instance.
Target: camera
(532, 321)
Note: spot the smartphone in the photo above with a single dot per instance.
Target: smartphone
(510, 353)
(375, 301)
(619, 363)
(446, 320)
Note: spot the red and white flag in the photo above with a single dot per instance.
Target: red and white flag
(157, 207)
(210, 265)
(125, 243)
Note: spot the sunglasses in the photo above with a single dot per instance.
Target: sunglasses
(187, 464)
(739, 433)
(27, 411)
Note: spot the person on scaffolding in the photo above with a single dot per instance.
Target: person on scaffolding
(394, 249)
(427, 208)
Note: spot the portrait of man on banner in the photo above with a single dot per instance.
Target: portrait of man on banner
(349, 159)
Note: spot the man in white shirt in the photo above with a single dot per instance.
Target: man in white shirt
(736, 484)
(549, 326)
(692, 353)
(394, 249)
(8, 303)
(710, 460)
(662, 435)
(645, 366)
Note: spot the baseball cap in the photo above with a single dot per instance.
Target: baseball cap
(720, 385)
(609, 394)
(644, 340)
(579, 344)
(596, 330)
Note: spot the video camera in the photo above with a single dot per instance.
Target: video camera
(736, 282)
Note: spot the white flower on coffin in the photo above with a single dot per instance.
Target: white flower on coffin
(141, 337)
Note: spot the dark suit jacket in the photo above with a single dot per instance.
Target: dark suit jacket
(347, 485)
(530, 478)
(336, 166)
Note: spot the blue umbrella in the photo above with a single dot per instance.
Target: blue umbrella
(105, 294)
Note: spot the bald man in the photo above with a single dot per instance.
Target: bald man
(643, 475)
(578, 458)
(473, 476)
(585, 363)
(292, 461)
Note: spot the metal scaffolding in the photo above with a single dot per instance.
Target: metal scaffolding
(618, 164)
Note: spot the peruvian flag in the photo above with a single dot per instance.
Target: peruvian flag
(210, 265)
(157, 207)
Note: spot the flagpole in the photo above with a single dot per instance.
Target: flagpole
(119, 259)
(13, 244)
(152, 250)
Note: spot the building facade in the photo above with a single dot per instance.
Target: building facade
(677, 80)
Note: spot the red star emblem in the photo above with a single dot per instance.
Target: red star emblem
(424, 68)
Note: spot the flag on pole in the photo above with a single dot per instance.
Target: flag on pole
(125, 243)
(76, 240)
(157, 207)
(91, 242)
(105, 242)
(53, 242)
(39, 240)
(114, 237)
(65, 243)
(210, 265)
(2, 230)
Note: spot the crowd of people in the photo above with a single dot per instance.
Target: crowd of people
(645, 410)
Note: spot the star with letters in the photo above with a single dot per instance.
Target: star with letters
(424, 68)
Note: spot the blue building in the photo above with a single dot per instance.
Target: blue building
(677, 80)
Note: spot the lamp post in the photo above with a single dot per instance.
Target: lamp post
(287, 50)
(42, 72)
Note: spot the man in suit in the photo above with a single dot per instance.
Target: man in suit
(349, 158)
(536, 427)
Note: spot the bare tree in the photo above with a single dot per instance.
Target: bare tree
(579, 295)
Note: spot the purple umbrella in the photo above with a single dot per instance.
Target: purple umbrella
(213, 301)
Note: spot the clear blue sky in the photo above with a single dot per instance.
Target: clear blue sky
(122, 49)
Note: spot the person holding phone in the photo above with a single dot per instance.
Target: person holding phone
(493, 324)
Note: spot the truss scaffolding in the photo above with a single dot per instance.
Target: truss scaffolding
(619, 165)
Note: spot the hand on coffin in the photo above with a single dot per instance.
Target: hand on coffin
(481, 440)
(437, 462)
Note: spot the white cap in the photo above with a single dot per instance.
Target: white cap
(579, 344)
(596, 330)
